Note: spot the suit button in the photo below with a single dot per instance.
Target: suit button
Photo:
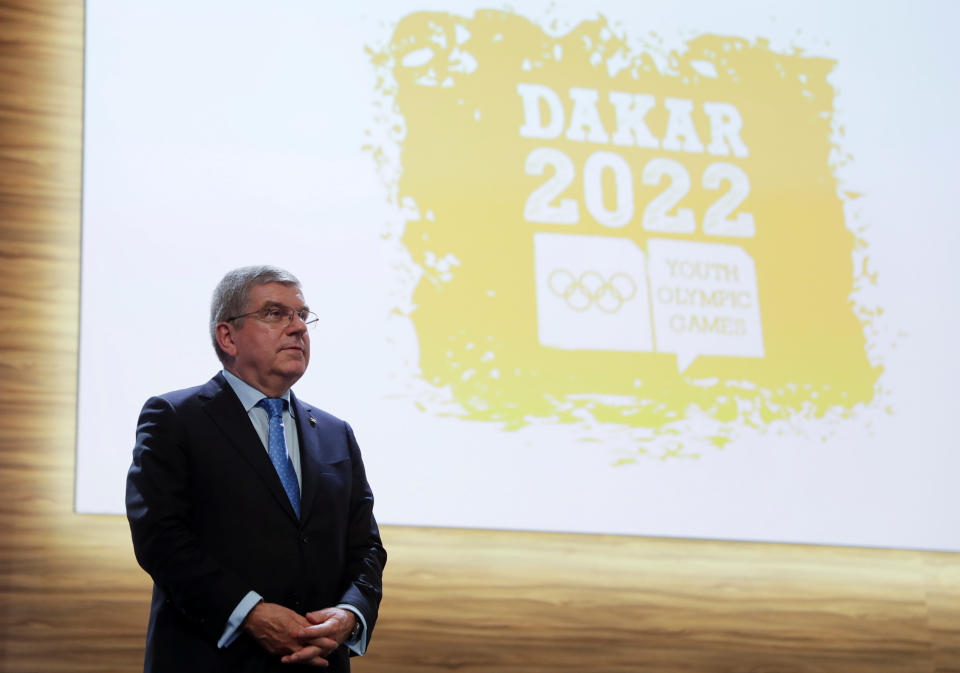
(304, 539)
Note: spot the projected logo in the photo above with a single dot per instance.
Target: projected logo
(705, 297)
(614, 236)
(592, 289)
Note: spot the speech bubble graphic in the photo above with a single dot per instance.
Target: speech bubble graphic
(705, 301)
(591, 293)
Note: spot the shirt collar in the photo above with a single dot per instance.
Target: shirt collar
(249, 396)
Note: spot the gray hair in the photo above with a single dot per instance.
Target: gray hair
(231, 294)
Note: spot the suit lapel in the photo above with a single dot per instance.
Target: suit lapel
(310, 452)
(225, 409)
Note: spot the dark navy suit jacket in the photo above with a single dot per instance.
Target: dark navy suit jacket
(210, 521)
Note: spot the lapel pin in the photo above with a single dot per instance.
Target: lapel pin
(313, 421)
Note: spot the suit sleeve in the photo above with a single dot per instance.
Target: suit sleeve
(159, 510)
(365, 555)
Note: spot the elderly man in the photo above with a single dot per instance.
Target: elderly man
(250, 509)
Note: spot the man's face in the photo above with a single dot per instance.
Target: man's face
(270, 357)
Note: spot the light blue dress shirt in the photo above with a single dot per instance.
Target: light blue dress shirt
(249, 396)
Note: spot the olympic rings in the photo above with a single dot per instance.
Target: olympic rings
(591, 289)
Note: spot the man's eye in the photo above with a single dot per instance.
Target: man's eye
(274, 313)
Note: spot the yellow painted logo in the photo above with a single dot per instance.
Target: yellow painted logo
(607, 237)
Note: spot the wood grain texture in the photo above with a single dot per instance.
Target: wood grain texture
(73, 599)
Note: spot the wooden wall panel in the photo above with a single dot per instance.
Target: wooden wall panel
(73, 599)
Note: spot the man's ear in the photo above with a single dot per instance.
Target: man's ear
(225, 339)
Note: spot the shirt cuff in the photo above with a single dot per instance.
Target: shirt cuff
(359, 644)
(239, 613)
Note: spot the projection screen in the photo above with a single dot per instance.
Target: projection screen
(667, 269)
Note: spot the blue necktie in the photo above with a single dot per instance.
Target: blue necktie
(277, 447)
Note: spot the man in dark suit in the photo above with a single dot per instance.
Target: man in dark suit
(263, 558)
